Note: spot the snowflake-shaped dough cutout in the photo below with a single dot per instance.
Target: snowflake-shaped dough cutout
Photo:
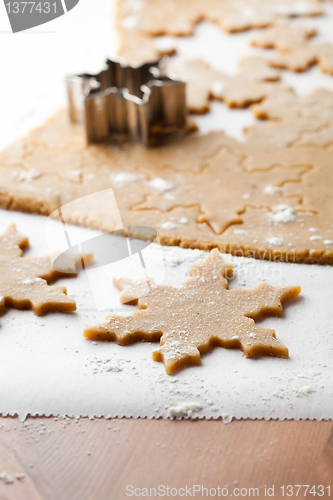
(203, 313)
(24, 282)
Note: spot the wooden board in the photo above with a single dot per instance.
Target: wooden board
(97, 459)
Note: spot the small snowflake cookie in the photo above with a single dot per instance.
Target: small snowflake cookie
(24, 282)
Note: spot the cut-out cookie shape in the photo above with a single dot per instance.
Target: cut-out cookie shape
(283, 37)
(304, 57)
(203, 313)
(295, 52)
(24, 282)
(178, 17)
(254, 81)
(285, 106)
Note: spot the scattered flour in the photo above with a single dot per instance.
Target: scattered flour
(123, 178)
(285, 215)
(271, 190)
(168, 226)
(226, 418)
(113, 367)
(184, 410)
(76, 173)
(174, 256)
(26, 175)
(275, 241)
(160, 185)
(27, 281)
(100, 365)
(305, 391)
(6, 478)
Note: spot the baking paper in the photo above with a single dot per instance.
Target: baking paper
(48, 368)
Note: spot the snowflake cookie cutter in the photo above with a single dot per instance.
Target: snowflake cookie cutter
(127, 101)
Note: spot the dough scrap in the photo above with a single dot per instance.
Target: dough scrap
(294, 51)
(201, 314)
(24, 282)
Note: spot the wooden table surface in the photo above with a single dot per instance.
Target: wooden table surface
(97, 459)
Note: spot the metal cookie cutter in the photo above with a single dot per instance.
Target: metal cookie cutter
(127, 101)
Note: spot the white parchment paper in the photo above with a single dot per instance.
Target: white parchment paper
(48, 368)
